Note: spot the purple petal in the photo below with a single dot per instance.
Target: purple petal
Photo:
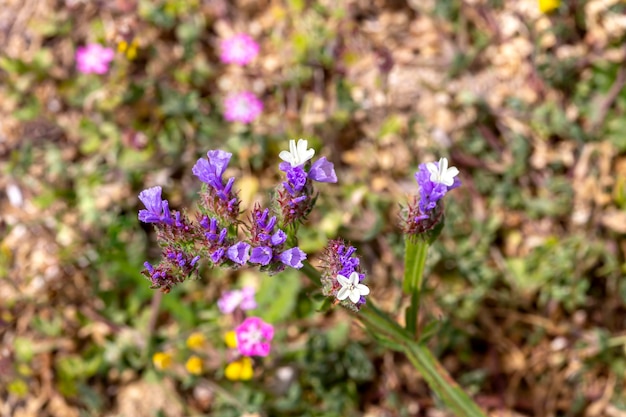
(323, 171)
(239, 253)
(293, 257)
(278, 238)
(261, 255)
(151, 198)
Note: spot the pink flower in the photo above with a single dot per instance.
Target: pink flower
(242, 107)
(243, 298)
(254, 337)
(239, 49)
(93, 59)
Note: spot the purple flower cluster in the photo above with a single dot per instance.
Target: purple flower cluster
(339, 259)
(213, 236)
(435, 180)
(295, 197)
(220, 248)
(268, 244)
(175, 266)
(218, 198)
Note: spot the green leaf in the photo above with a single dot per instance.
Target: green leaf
(277, 296)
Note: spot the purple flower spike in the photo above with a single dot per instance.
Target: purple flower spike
(157, 209)
(254, 337)
(323, 171)
(239, 253)
(293, 257)
(261, 255)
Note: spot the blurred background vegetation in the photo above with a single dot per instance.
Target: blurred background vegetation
(526, 282)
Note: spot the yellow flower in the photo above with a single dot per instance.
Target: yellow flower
(162, 360)
(195, 341)
(239, 370)
(547, 6)
(194, 365)
(231, 339)
(128, 49)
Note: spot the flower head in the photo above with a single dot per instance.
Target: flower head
(351, 288)
(254, 337)
(296, 196)
(239, 370)
(194, 365)
(242, 107)
(434, 179)
(342, 275)
(547, 6)
(93, 59)
(195, 341)
(297, 154)
(231, 300)
(162, 360)
(239, 49)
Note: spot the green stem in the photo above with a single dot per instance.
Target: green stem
(440, 381)
(379, 323)
(416, 250)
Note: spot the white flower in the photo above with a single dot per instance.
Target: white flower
(442, 174)
(297, 155)
(351, 288)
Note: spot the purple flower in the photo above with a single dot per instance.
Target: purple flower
(93, 59)
(254, 337)
(211, 171)
(239, 253)
(239, 49)
(261, 255)
(278, 238)
(218, 199)
(242, 107)
(230, 300)
(323, 171)
(157, 210)
(292, 257)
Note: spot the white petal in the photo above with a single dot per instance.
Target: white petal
(292, 147)
(432, 168)
(354, 278)
(443, 166)
(354, 297)
(302, 145)
(343, 293)
(362, 289)
(345, 282)
(286, 156)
